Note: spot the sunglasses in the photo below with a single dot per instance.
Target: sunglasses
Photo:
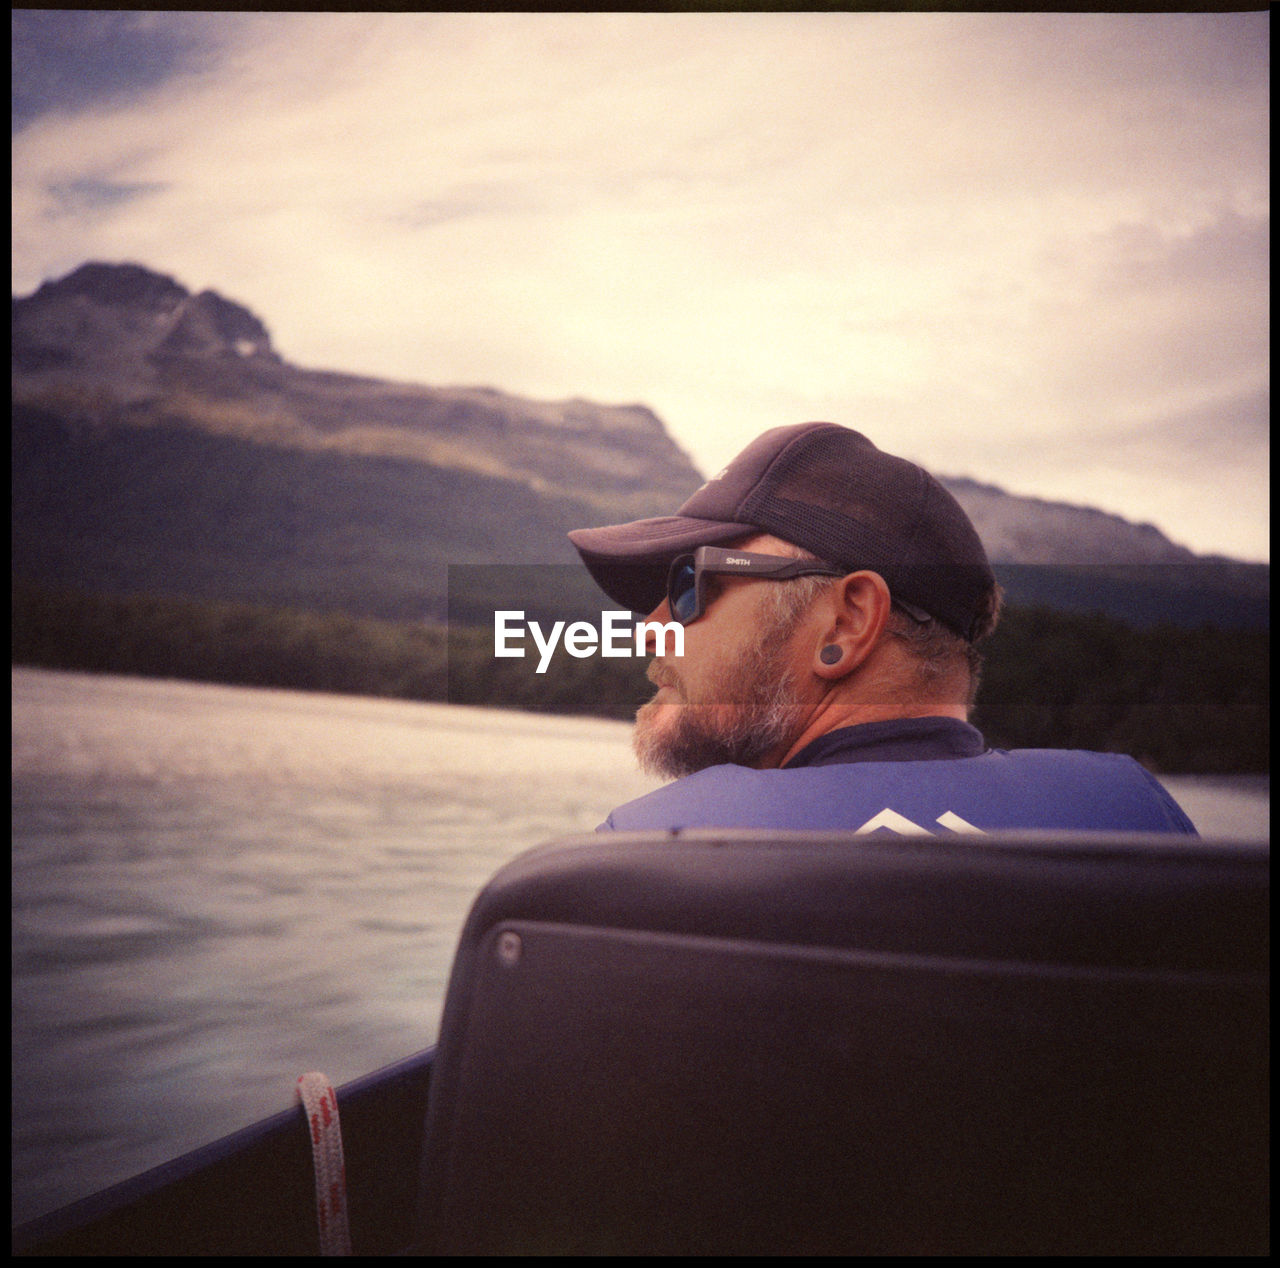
(686, 589)
(686, 579)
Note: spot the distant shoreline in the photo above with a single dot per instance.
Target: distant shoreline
(1192, 702)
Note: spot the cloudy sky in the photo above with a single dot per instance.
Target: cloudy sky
(1027, 248)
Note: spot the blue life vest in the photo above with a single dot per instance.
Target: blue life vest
(1026, 789)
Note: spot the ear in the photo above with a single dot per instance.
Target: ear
(856, 615)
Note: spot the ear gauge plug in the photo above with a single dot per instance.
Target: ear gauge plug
(830, 654)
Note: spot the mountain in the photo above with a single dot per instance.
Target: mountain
(1023, 530)
(1079, 558)
(120, 345)
(160, 443)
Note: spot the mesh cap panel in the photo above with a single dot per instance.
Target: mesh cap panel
(834, 493)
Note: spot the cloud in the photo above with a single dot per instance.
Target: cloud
(1144, 320)
(87, 195)
(69, 60)
(978, 236)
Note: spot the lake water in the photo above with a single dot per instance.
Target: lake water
(218, 888)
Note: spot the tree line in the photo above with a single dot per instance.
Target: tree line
(1180, 700)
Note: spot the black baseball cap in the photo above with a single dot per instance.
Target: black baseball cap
(829, 490)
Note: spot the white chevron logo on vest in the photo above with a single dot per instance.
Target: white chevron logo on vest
(892, 821)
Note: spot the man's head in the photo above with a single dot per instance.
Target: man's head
(887, 628)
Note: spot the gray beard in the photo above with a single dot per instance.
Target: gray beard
(738, 731)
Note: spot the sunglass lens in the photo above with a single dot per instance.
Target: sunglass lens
(682, 594)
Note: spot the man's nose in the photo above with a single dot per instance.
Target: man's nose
(660, 615)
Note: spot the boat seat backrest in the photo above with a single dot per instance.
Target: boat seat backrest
(797, 1043)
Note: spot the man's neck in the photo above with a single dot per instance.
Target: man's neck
(836, 718)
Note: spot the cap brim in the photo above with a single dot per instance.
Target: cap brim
(629, 562)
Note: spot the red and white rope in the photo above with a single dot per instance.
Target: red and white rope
(321, 1105)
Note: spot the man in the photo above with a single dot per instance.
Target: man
(832, 597)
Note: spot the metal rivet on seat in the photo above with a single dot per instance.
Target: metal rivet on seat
(509, 948)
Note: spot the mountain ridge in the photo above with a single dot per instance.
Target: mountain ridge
(120, 344)
(118, 364)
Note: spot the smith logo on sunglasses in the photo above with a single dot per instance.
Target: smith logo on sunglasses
(581, 639)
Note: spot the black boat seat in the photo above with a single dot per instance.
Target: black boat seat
(816, 1043)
